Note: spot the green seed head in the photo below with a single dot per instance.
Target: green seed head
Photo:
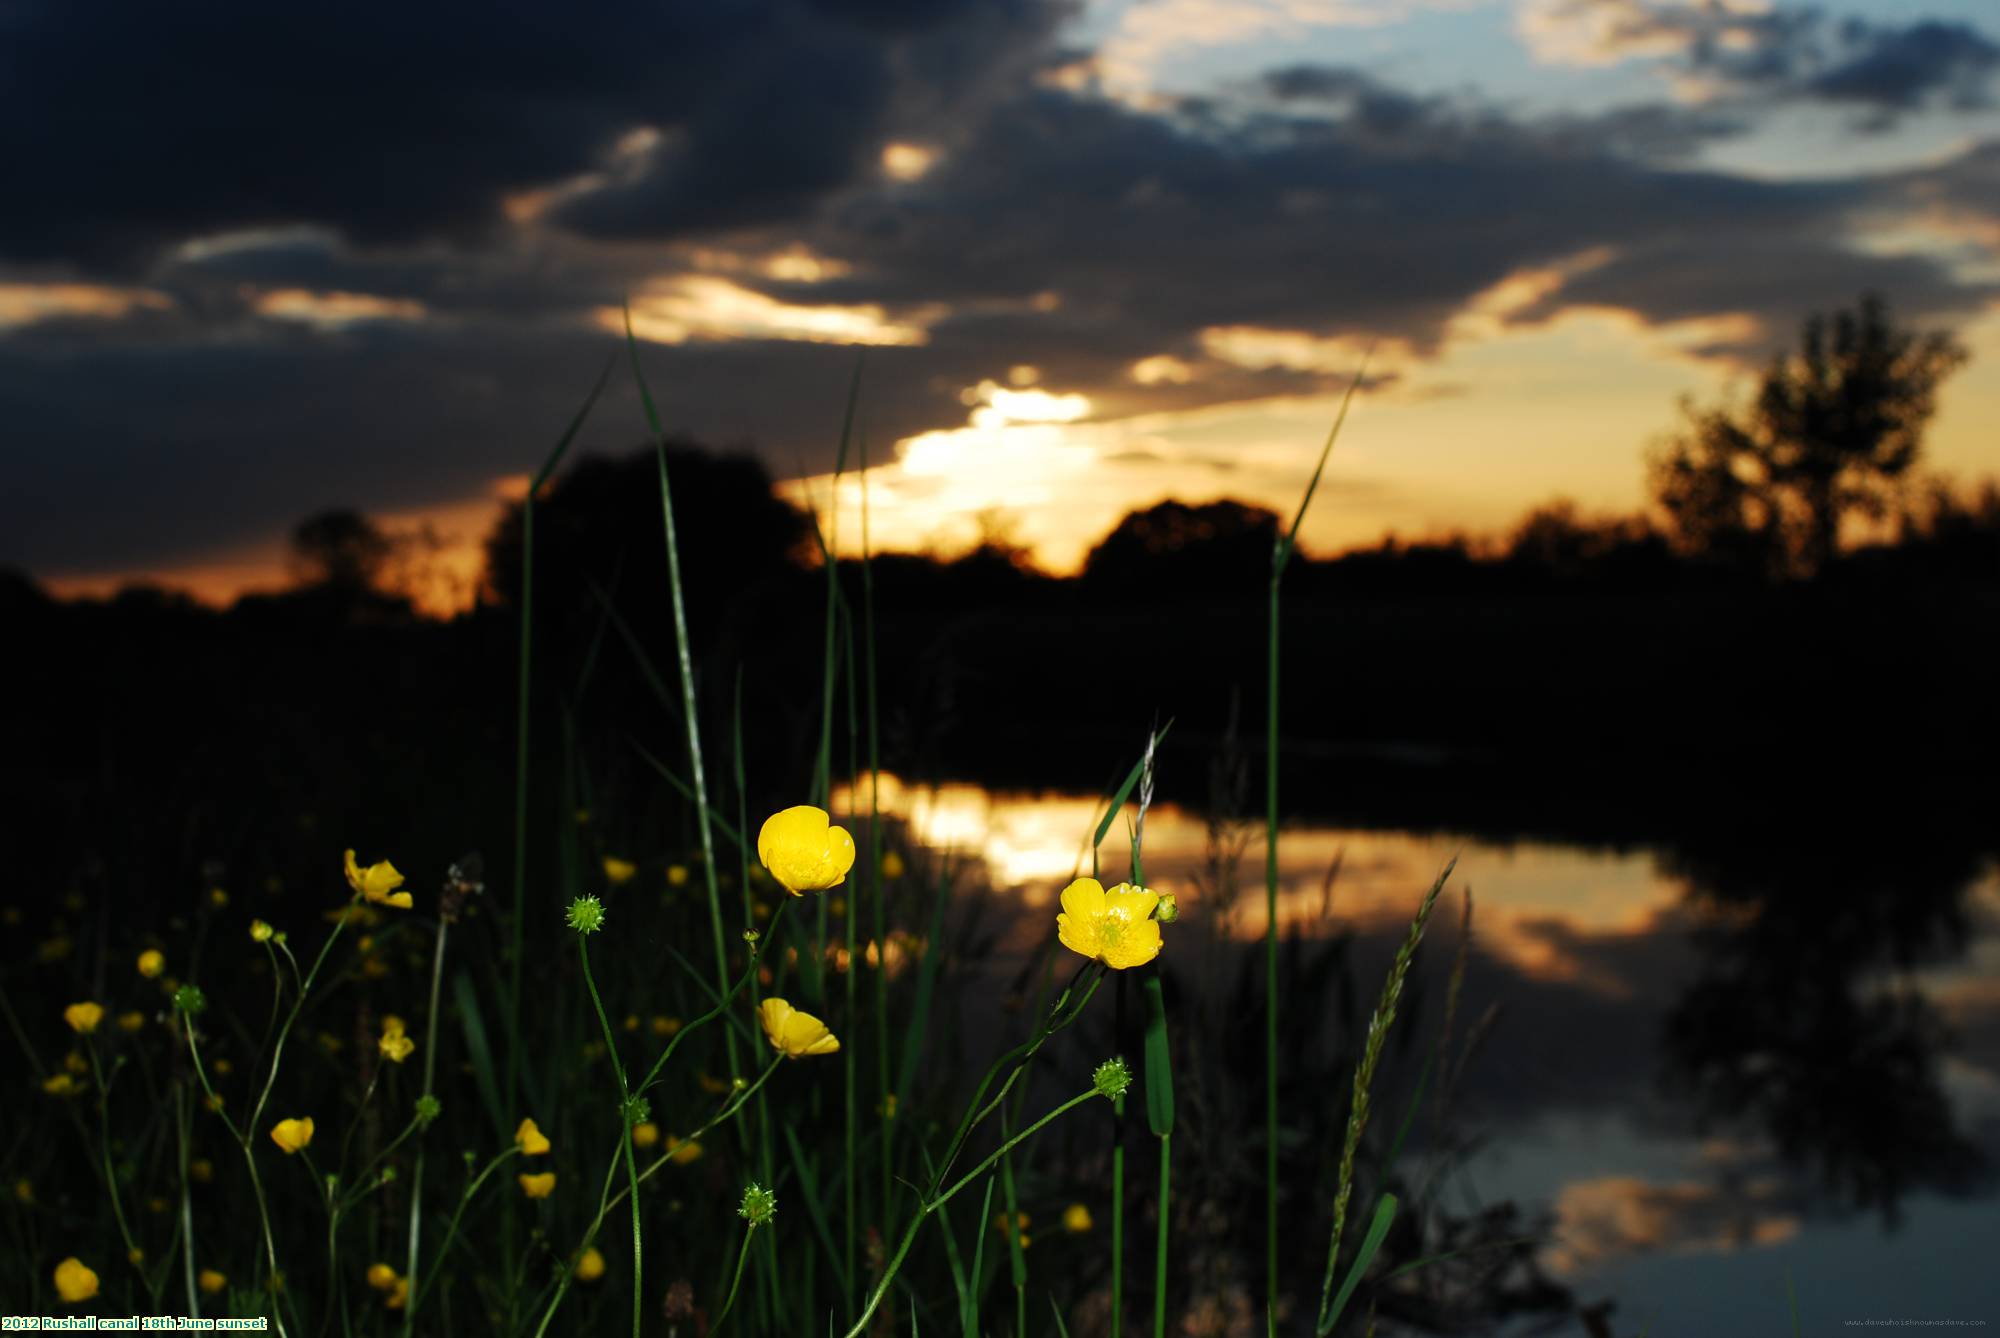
(586, 915)
(760, 1205)
(1113, 1076)
(637, 1111)
(190, 1000)
(428, 1109)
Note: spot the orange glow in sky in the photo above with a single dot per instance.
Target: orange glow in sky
(1500, 419)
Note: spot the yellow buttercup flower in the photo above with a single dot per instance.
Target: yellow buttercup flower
(617, 871)
(395, 1045)
(292, 1135)
(201, 1170)
(211, 1281)
(892, 864)
(645, 1135)
(24, 1191)
(377, 883)
(677, 875)
(665, 1026)
(151, 962)
(797, 1034)
(529, 1138)
(682, 1150)
(76, 1063)
(804, 851)
(591, 1266)
(538, 1186)
(399, 1295)
(131, 1021)
(1116, 926)
(381, 1277)
(260, 931)
(83, 1017)
(74, 1282)
(1076, 1219)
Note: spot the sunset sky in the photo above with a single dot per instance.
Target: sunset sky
(256, 263)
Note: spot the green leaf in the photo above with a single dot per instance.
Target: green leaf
(1159, 1061)
(1289, 541)
(1378, 1230)
(815, 1208)
(482, 1055)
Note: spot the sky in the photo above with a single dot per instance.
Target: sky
(260, 261)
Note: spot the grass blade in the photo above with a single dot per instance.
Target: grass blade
(1378, 1230)
(480, 1053)
(526, 654)
(815, 1207)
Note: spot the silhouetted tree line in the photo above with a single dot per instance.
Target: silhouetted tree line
(1728, 635)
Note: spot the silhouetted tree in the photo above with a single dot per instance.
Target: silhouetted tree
(340, 549)
(1558, 538)
(1175, 546)
(1832, 429)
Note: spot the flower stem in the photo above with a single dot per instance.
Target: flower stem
(187, 1200)
(419, 1292)
(417, 1171)
(625, 1128)
(735, 1280)
(938, 1201)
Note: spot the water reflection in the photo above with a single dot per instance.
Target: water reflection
(1704, 1049)
(1537, 898)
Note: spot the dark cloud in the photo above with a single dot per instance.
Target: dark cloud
(1783, 54)
(140, 125)
(1150, 230)
(1900, 69)
(1058, 228)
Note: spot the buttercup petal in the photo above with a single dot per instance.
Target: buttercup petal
(1138, 945)
(1135, 903)
(1084, 897)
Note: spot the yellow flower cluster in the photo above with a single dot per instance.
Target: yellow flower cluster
(534, 1143)
(394, 1045)
(395, 1288)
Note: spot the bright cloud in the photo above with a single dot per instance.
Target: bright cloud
(27, 303)
(907, 162)
(334, 311)
(705, 307)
